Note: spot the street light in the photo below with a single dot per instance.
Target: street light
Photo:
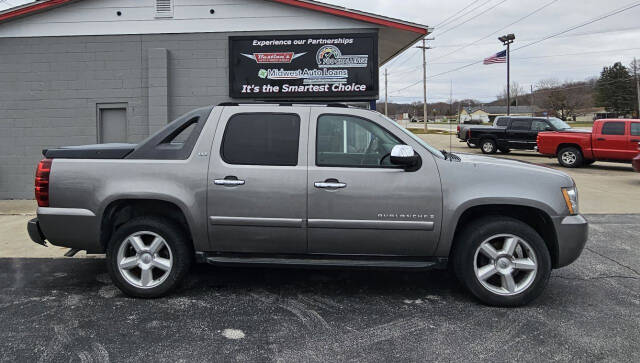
(507, 40)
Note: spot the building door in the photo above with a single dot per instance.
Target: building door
(361, 204)
(112, 124)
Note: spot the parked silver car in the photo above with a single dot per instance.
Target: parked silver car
(306, 185)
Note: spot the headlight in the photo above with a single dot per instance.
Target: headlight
(571, 198)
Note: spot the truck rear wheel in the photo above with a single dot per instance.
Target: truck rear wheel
(488, 146)
(570, 157)
(148, 257)
(502, 261)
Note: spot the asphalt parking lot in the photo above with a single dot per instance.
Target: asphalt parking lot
(68, 310)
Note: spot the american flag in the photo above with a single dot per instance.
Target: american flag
(500, 57)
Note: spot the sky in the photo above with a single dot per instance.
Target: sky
(573, 56)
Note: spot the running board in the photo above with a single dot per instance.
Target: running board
(321, 262)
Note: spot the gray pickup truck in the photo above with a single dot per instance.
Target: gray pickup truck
(300, 185)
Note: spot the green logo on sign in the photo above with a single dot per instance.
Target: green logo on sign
(262, 73)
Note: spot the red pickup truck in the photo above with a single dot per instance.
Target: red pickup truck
(610, 140)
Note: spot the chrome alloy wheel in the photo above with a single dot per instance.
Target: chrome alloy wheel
(487, 147)
(505, 264)
(569, 157)
(144, 259)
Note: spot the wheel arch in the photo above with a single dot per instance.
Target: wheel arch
(568, 144)
(119, 211)
(536, 218)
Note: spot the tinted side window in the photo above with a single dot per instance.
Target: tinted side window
(261, 139)
(613, 128)
(635, 128)
(502, 121)
(539, 125)
(520, 124)
(348, 141)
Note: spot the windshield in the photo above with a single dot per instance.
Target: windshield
(430, 148)
(558, 124)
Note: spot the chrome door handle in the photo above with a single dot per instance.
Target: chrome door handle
(228, 182)
(329, 185)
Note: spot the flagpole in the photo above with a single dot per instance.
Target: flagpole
(507, 40)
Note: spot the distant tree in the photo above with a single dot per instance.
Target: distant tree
(614, 89)
(634, 69)
(563, 99)
(516, 91)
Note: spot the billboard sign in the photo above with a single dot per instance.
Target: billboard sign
(304, 67)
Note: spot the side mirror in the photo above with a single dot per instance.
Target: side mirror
(548, 128)
(404, 155)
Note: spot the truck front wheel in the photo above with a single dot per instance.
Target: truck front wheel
(502, 261)
(488, 146)
(148, 257)
(570, 157)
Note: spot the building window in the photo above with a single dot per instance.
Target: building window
(111, 122)
(261, 139)
(164, 8)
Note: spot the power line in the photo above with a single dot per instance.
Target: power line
(560, 88)
(501, 29)
(614, 12)
(563, 36)
(461, 13)
(475, 16)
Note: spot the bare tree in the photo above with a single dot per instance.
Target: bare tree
(516, 90)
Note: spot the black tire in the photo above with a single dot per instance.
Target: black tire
(471, 145)
(488, 146)
(570, 157)
(177, 244)
(505, 150)
(464, 260)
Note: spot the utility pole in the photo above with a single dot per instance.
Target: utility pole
(386, 73)
(507, 40)
(424, 78)
(533, 100)
(450, 97)
(635, 74)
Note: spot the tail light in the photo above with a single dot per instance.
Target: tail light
(42, 182)
(458, 129)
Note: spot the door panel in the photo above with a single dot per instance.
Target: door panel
(611, 141)
(519, 132)
(634, 140)
(257, 189)
(371, 209)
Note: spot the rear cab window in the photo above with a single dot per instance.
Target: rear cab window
(523, 125)
(261, 139)
(502, 121)
(613, 128)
